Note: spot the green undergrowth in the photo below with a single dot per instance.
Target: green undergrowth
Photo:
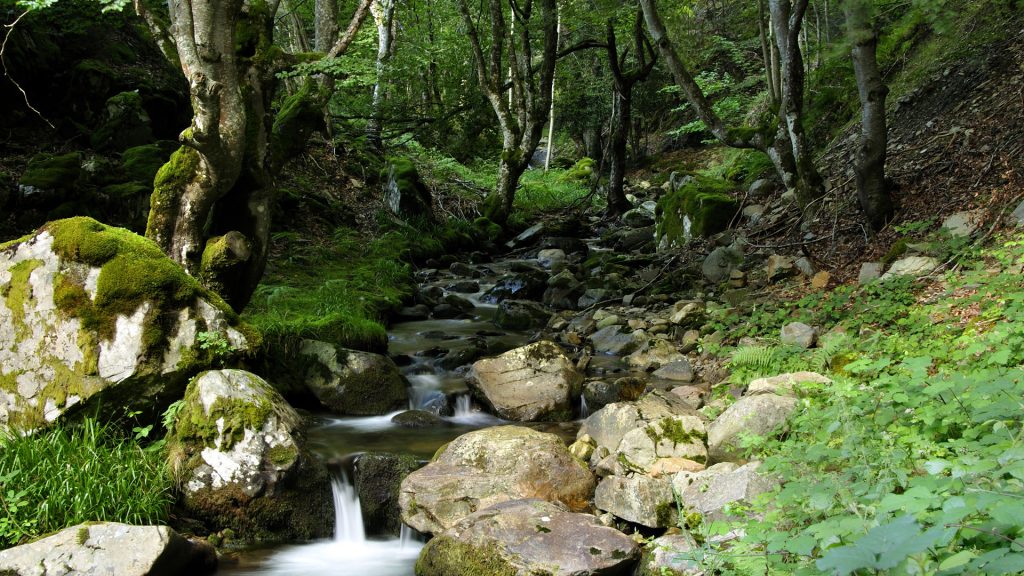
(339, 291)
(73, 474)
(912, 460)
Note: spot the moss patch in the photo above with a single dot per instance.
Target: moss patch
(141, 163)
(700, 208)
(53, 171)
(445, 555)
(171, 179)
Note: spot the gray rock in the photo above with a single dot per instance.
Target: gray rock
(465, 287)
(600, 393)
(551, 257)
(464, 270)
(760, 188)
(352, 382)
(612, 340)
(592, 296)
(417, 312)
(688, 314)
(672, 555)
(235, 448)
(534, 382)
(803, 264)
(528, 537)
(799, 334)
(869, 271)
(911, 266)
(678, 371)
(139, 345)
(779, 267)
(720, 263)
(378, 480)
(1018, 215)
(417, 419)
(638, 218)
(521, 315)
(669, 437)
(712, 491)
(459, 303)
(654, 354)
(639, 499)
(490, 466)
(784, 384)
(964, 224)
(526, 236)
(757, 415)
(753, 213)
(104, 548)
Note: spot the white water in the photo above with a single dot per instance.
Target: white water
(349, 553)
(584, 411)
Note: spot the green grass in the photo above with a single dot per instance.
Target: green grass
(912, 461)
(339, 292)
(73, 474)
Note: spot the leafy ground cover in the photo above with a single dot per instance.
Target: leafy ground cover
(911, 461)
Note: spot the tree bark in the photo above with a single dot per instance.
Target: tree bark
(871, 153)
(383, 16)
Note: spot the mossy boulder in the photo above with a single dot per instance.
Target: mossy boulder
(405, 194)
(125, 123)
(235, 449)
(699, 208)
(490, 466)
(528, 537)
(378, 481)
(141, 163)
(49, 179)
(96, 318)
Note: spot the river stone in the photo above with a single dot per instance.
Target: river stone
(639, 499)
(551, 258)
(757, 415)
(799, 334)
(521, 315)
(489, 466)
(418, 419)
(911, 266)
(534, 382)
(612, 340)
(378, 480)
(527, 538)
(668, 437)
(783, 383)
(526, 285)
(672, 555)
(600, 393)
(235, 445)
(97, 319)
(720, 263)
(352, 382)
(678, 371)
(654, 354)
(712, 491)
(638, 218)
(106, 548)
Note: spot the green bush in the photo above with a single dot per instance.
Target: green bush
(72, 474)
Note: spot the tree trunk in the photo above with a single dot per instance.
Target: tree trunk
(383, 16)
(325, 24)
(617, 203)
(870, 164)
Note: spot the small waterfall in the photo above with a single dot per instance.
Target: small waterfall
(348, 516)
(407, 537)
(422, 389)
(463, 405)
(584, 411)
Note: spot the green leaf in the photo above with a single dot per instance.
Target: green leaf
(957, 560)
(882, 548)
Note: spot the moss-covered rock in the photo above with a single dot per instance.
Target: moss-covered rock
(378, 480)
(405, 194)
(97, 317)
(235, 449)
(125, 123)
(50, 178)
(141, 163)
(701, 207)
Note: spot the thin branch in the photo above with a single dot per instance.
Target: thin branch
(353, 27)
(3, 62)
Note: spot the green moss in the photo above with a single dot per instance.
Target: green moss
(282, 456)
(672, 429)
(298, 116)
(82, 536)
(665, 514)
(446, 555)
(171, 180)
(142, 163)
(629, 466)
(580, 171)
(487, 229)
(53, 171)
(700, 208)
(18, 291)
(896, 251)
(196, 425)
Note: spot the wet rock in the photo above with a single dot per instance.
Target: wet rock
(465, 287)
(593, 296)
(490, 466)
(911, 266)
(413, 313)
(523, 537)
(527, 236)
(639, 499)
(350, 381)
(102, 548)
(551, 258)
(672, 555)
(757, 415)
(638, 218)
(612, 340)
(464, 270)
(567, 244)
(378, 480)
(521, 286)
(799, 334)
(430, 295)
(463, 356)
(720, 263)
(678, 371)
(654, 354)
(445, 311)
(534, 382)
(521, 315)
(712, 491)
(459, 303)
(600, 393)
(418, 419)
(235, 445)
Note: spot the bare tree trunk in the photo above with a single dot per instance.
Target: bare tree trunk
(766, 56)
(325, 24)
(870, 164)
(383, 16)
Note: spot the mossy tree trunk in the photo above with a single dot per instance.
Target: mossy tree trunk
(785, 142)
(622, 83)
(521, 117)
(869, 167)
(384, 17)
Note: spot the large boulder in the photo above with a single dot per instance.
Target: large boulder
(669, 437)
(235, 447)
(96, 318)
(672, 555)
(521, 315)
(378, 479)
(103, 548)
(755, 415)
(534, 382)
(405, 194)
(527, 537)
(700, 208)
(489, 466)
(639, 499)
(350, 381)
(711, 492)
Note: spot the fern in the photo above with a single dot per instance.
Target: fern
(827, 351)
(759, 359)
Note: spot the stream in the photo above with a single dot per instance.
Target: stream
(340, 440)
